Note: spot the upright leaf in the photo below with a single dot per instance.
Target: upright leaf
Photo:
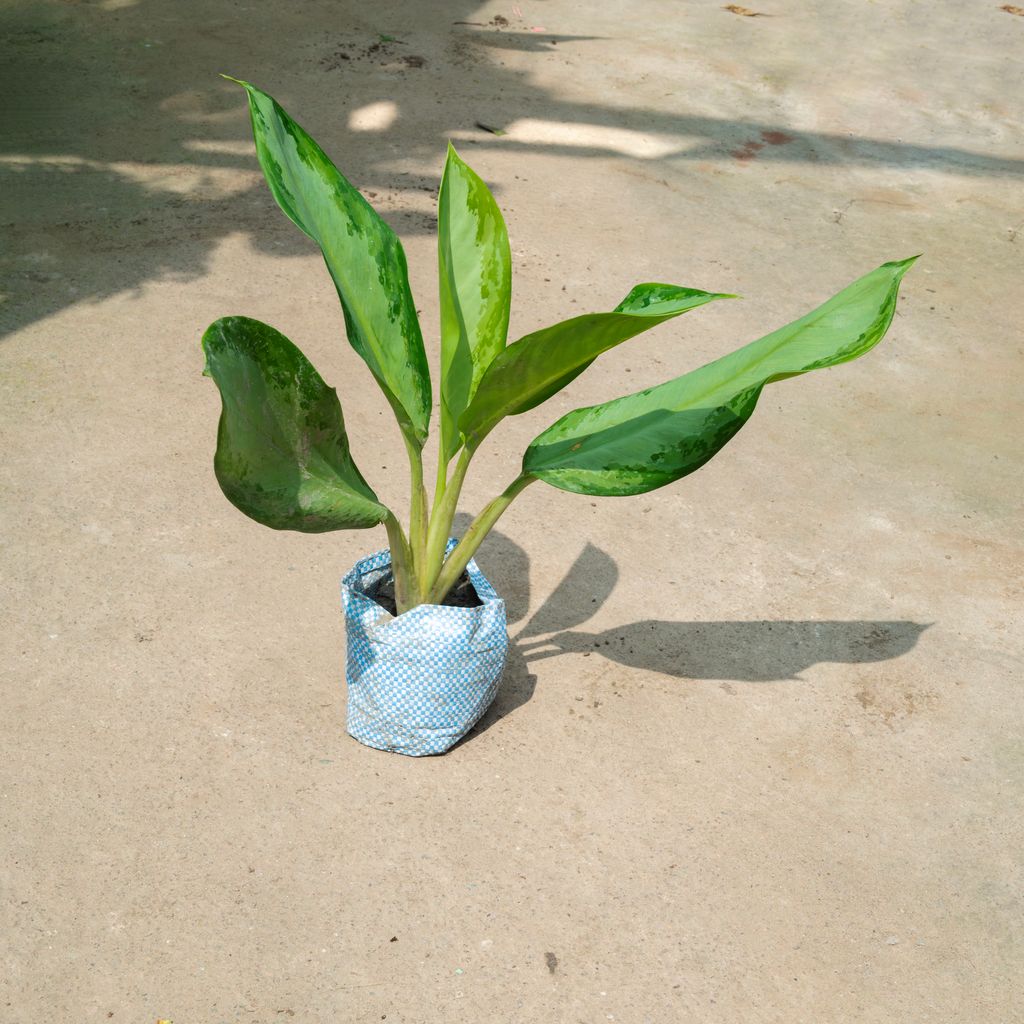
(475, 277)
(363, 255)
(282, 451)
(534, 368)
(643, 441)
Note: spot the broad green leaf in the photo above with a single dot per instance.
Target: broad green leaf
(643, 441)
(534, 368)
(363, 255)
(282, 452)
(475, 267)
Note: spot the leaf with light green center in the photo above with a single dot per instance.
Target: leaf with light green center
(282, 452)
(531, 370)
(643, 441)
(364, 257)
(475, 278)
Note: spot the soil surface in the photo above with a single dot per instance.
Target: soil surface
(462, 595)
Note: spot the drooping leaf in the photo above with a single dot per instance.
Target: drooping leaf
(646, 440)
(536, 367)
(282, 451)
(475, 266)
(364, 257)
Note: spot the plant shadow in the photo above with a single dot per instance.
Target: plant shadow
(751, 651)
(756, 651)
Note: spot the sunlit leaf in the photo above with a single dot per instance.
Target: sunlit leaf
(646, 440)
(363, 255)
(475, 267)
(534, 368)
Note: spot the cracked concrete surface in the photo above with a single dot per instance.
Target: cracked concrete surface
(758, 754)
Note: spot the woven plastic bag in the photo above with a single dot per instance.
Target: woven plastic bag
(418, 682)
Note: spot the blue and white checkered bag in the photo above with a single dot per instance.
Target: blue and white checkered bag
(418, 682)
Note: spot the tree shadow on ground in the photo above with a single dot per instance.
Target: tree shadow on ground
(120, 158)
(760, 651)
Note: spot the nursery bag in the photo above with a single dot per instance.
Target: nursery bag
(418, 682)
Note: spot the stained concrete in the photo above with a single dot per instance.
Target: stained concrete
(758, 755)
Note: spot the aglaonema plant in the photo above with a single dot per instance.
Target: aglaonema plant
(283, 454)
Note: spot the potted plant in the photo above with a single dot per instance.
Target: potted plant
(425, 630)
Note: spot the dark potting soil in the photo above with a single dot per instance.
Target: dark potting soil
(462, 595)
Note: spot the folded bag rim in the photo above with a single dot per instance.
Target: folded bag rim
(357, 604)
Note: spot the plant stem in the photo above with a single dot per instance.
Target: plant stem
(406, 586)
(442, 481)
(478, 530)
(446, 501)
(417, 511)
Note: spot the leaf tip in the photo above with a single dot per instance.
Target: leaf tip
(237, 81)
(452, 156)
(905, 264)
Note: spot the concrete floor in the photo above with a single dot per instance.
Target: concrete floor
(758, 754)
